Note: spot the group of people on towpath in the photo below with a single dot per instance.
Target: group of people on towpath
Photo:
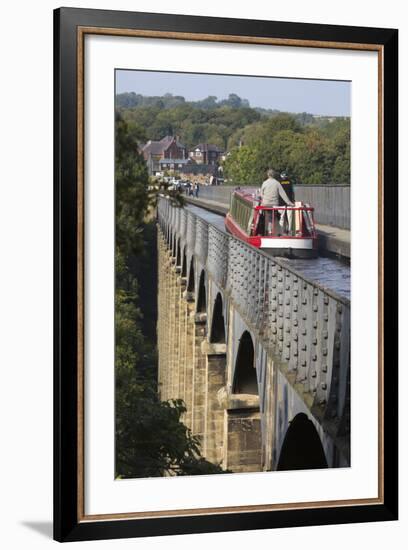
(192, 189)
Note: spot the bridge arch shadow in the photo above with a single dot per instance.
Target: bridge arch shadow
(174, 246)
(245, 372)
(217, 333)
(191, 277)
(302, 448)
(178, 254)
(202, 294)
(243, 419)
(184, 264)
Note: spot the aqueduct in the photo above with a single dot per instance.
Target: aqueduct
(259, 353)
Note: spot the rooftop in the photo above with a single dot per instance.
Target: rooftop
(158, 147)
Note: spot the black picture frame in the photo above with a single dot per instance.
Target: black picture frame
(67, 335)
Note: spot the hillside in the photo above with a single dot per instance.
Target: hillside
(312, 149)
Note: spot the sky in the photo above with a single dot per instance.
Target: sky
(318, 97)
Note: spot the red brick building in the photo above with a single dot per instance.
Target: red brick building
(206, 153)
(168, 148)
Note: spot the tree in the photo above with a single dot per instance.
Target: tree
(234, 101)
(131, 187)
(245, 166)
(151, 439)
(312, 149)
(209, 102)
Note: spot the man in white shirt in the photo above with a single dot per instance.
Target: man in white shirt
(271, 190)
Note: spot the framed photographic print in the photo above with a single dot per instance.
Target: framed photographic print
(225, 274)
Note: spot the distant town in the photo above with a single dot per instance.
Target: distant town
(171, 157)
(227, 141)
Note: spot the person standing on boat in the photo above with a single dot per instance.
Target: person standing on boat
(290, 192)
(287, 186)
(271, 193)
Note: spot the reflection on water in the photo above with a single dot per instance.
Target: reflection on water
(330, 273)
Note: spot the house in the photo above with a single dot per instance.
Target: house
(169, 148)
(206, 153)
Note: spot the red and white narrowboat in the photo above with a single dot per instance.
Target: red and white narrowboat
(283, 230)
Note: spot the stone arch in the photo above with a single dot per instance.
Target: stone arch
(217, 333)
(245, 380)
(191, 277)
(244, 448)
(302, 448)
(202, 294)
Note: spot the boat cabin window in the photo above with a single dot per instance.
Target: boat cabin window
(243, 213)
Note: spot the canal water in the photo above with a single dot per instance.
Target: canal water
(331, 273)
(328, 272)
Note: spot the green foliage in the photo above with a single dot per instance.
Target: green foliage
(205, 121)
(244, 166)
(311, 149)
(131, 186)
(151, 439)
(310, 155)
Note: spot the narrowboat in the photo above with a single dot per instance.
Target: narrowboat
(282, 230)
